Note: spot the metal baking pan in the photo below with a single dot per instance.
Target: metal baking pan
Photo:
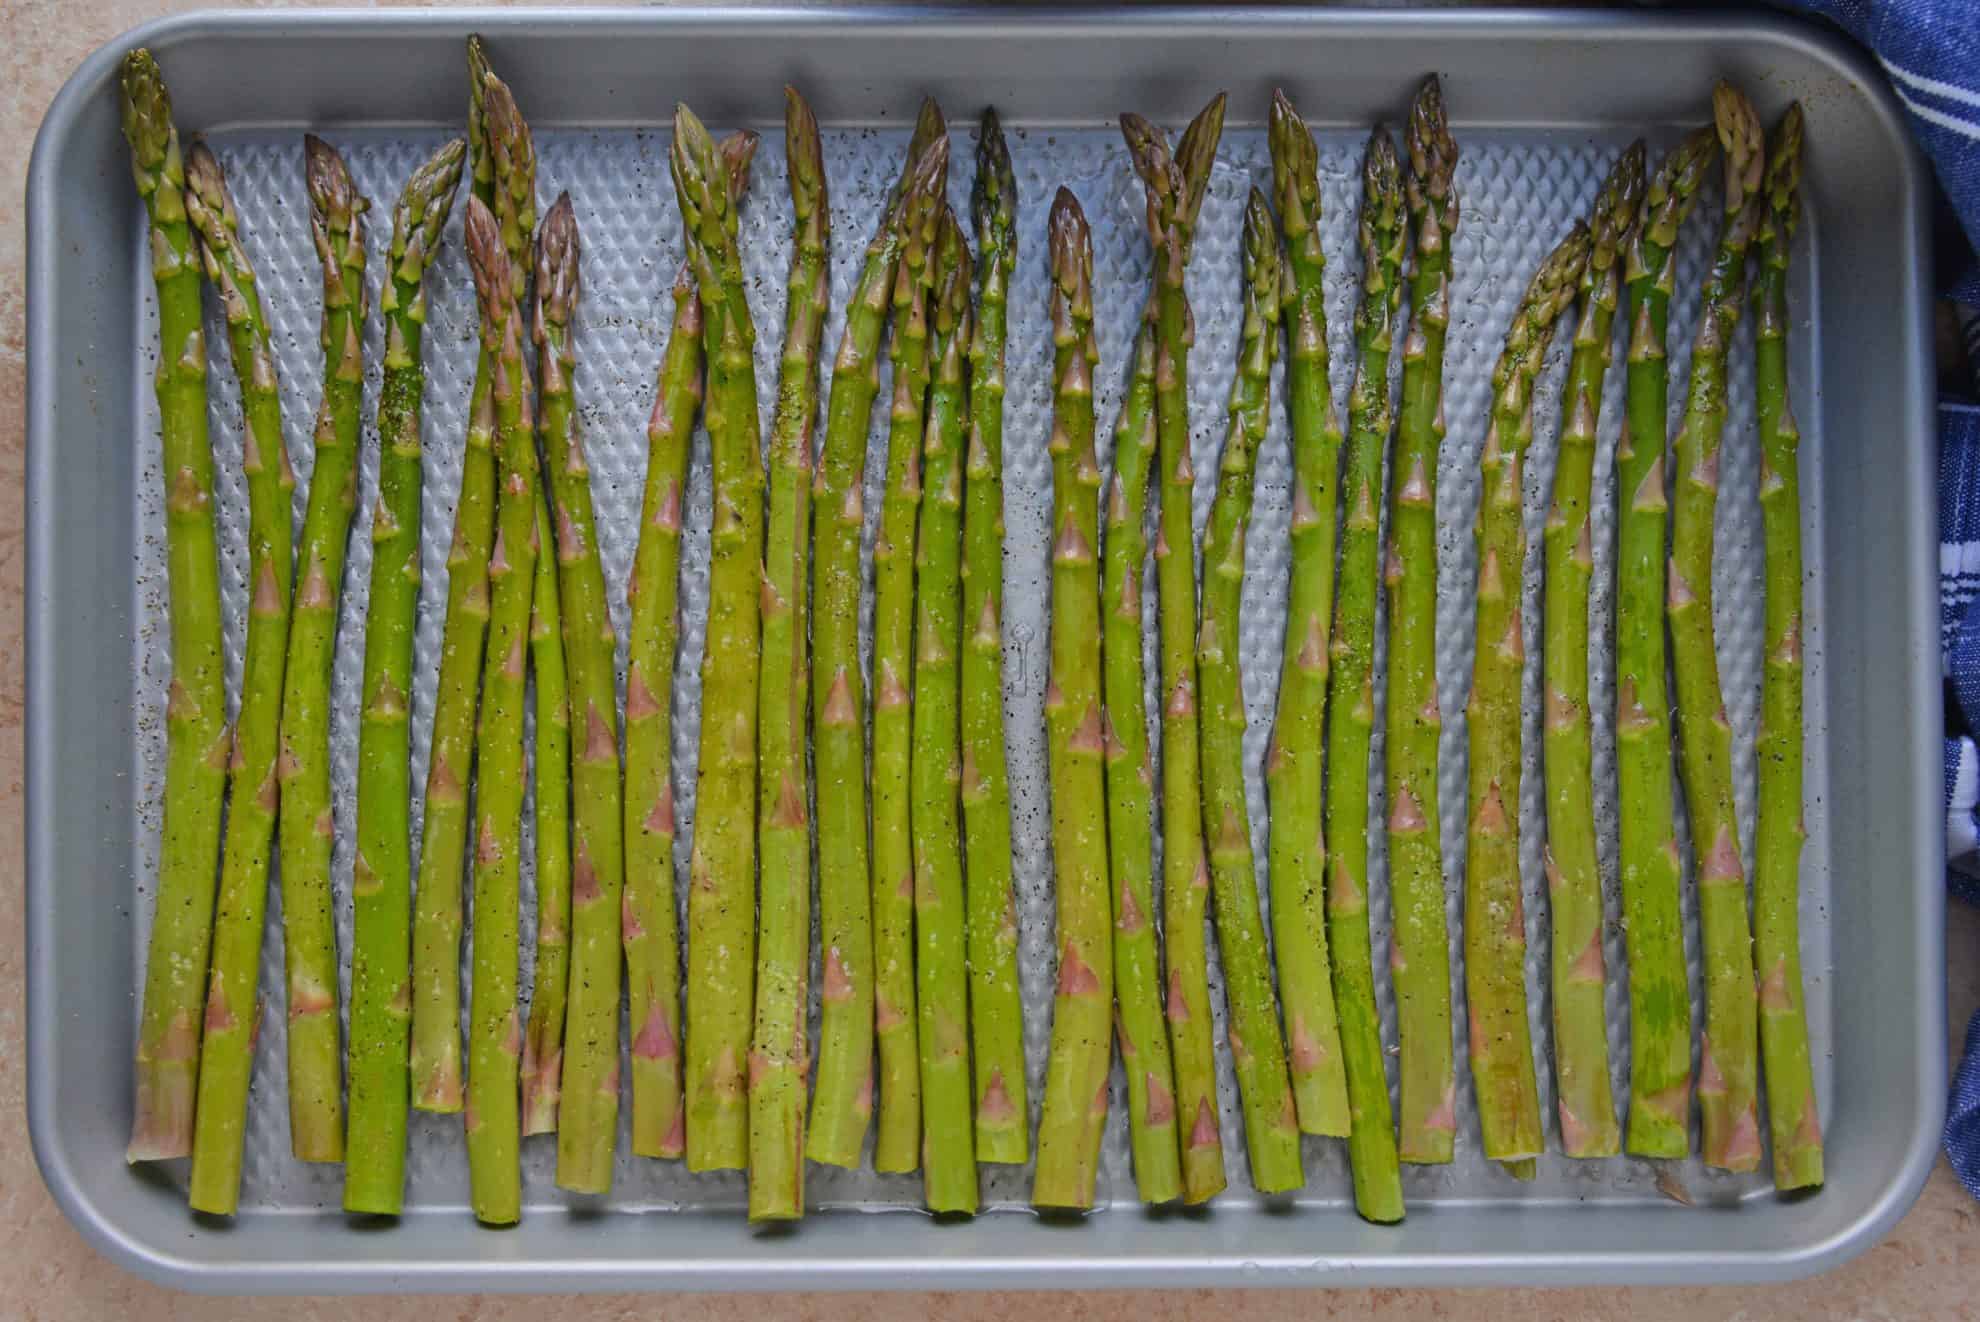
(1541, 102)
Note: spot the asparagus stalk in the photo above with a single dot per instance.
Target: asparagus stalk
(1297, 844)
(1494, 914)
(1130, 790)
(1419, 943)
(1574, 887)
(494, 1022)
(842, 1104)
(894, 1013)
(307, 831)
(1271, 1126)
(1792, 1120)
(437, 910)
(549, 996)
(1176, 186)
(1081, 1051)
(941, 980)
(778, 1056)
(996, 1013)
(1659, 992)
(652, 945)
(381, 886)
(722, 869)
(1728, 1055)
(226, 1053)
(1351, 692)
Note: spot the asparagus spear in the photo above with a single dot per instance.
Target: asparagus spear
(1130, 789)
(1176, 186)
(1271, 1127)
(778, 1056)
(1081, 1051)
(899, 1139)
(1297, 844)
(1728, 1058)
(996, 1013)
(549, 996)
(1419, 943)
(1494, 914)
(436, 1041)
(722, 869)
(1659, 993)
(842, 1104)
(1574, 888)
(494, 1021)
(941, 980)
(1351, 692)
(307, 831)
(652, 946)
(1792, 1120)
(381, 887)
(226, 1054)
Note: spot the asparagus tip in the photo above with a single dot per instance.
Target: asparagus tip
(1741, 138)
(1432, 151)
(929, 125)
(1784, 170)
(488, 258)
(556, 265)
(805, 154)
(332, 195)
(738, 150)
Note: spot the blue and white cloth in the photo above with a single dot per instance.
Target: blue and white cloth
(1931, 51)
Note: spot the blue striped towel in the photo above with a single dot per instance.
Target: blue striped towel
(1931, 51)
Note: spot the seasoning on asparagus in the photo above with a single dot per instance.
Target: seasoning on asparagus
(1728, 1071)
(941, 980)
(1792, 1120)
(778, 1055)
(226, 1053)
(996, 1012)
(381, 876)
(1258, 1053)
(1130, 790)
(1176, 186)
(1351, 691)
(1494, 913)
(898, 1144)
(1419, 942)
(1653, 929)
(842, 1103)
(1081, 1050)
(493, 1119)
(549, 994)
(1297, 844)
(1574, 886)
(722, 869)
(651, 927)
(437, 909)
(306, 826)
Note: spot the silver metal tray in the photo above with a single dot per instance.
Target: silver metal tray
(1541, 102)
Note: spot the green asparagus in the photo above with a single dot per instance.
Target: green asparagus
(226, 1051)
(1659, 992)
(1574, 887)
(1351, 692)
(1176, 185)
(1271, 1125)
(1297, 844)
(779, 1058)
(1728, 1072)
(1419, 942)
(1792, 1120)
(307, 829)
(549, 993)
(381, 885)
(1494, 913)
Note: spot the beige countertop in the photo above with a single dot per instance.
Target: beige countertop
(1928, 1269)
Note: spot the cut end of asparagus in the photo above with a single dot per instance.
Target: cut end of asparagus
(1433, 156)
(806, 157)
(1784, 176)
(422, 210)
(1744, 145)
(148, 127)
(556, 267)
(993, 206)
